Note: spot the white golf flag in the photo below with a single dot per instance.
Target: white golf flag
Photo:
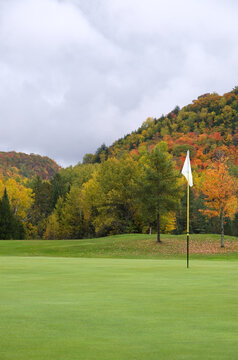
(186, 171)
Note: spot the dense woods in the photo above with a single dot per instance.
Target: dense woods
(135, 185)
(13, 164)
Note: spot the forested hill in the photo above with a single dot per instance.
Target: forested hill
(122, 188)
(13, 164)
(208, 127)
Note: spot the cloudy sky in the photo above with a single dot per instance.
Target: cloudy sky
(78, 73)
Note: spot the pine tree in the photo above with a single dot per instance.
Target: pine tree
(159, 186)
(10, 226)
(6, 218)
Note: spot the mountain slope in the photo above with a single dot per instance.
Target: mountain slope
(208, 127)
(13, 164)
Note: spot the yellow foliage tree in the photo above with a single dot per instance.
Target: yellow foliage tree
(52, 228)
(20, 197)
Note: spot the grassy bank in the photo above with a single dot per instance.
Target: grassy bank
(126, 246)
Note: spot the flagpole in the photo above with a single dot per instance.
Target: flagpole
(187, 172)
(188, 223)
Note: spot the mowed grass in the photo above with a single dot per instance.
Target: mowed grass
(126, 246)
(120, 297)
(117, 309)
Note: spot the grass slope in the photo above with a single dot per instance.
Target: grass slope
(117, 309)
(126, 246)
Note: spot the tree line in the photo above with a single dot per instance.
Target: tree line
(127, 195)
(117, 189)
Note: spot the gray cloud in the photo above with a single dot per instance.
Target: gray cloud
(75, 73)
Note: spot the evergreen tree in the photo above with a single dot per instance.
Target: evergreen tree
(159, 186)
(6, 218)
(59, 189)
(10, 226)
(41, 208)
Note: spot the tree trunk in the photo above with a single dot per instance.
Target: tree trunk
(222, 229)
(158, 228)
(150, 230)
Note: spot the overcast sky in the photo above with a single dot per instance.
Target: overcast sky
(78, 73)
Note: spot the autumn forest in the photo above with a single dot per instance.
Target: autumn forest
(134, 185)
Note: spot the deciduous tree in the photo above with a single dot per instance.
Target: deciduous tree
(108, 196)
(220, 190)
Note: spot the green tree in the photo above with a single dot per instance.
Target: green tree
(42, 205)
(6, 218)
(10, 225)
(159, 187)
(89, 158)
(108, 197)
(101, 154)
(67, 220)
(59, 188)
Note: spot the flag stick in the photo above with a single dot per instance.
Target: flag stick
(188, 223)
(187, 172)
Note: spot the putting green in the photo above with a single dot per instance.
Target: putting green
(116, 309)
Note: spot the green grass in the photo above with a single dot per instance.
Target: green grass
(117, 309)
(118, 298)
(120, 246)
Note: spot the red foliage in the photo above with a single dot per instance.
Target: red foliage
(13, 164)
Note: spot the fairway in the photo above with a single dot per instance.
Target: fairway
(117, 309)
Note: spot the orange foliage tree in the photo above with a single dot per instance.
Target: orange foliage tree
(220, 190)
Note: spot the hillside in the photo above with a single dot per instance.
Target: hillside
(13, 164)
(134, 246)
(208, 127)
(105, 195)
